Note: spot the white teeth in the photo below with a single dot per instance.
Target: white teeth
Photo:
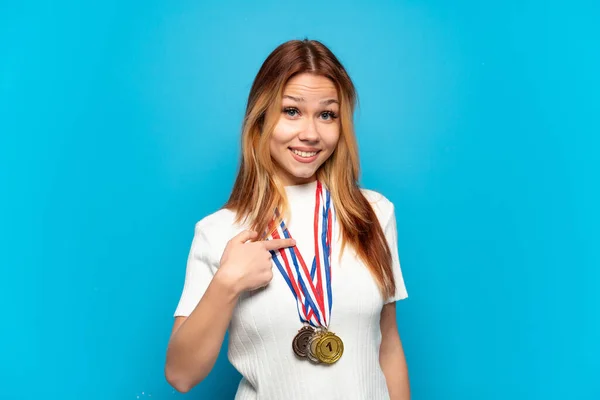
(305, 154)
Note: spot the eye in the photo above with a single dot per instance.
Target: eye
(291, 112)
(328, 115)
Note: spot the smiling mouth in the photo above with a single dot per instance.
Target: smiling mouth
(304, 154)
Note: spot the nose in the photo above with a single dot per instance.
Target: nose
(309, 133)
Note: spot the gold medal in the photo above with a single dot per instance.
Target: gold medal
(329, 348)
(301, 340)
(311, 349)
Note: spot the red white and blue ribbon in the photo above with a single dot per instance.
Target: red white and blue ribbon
(311, 287)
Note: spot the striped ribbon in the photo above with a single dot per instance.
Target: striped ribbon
(311, 288)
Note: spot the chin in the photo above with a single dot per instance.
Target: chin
(303, 177)
(301, 172)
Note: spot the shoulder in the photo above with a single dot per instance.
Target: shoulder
(213, 231)
(220, 220)
(383, 207)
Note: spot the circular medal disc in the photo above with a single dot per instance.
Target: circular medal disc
(311, 349)
(300, 342)
(329, 348)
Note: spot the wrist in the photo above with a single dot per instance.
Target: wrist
(228, 283)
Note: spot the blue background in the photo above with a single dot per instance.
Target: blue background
(120, 126)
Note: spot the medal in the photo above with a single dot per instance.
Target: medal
(311, 349)
(329, 348)
(311, 288)
(301, 341)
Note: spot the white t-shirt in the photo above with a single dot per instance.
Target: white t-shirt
(265, 322)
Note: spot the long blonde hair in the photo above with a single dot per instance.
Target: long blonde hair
(257, 191)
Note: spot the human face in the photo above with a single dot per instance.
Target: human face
(308, 128)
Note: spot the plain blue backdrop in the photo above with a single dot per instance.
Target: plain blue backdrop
(119, 129)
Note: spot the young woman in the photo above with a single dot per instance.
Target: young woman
(301, 265)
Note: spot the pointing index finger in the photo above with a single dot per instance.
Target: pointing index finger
(276, 244)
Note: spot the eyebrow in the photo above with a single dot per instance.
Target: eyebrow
(301, 100)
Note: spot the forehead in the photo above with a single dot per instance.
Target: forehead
(310, 86)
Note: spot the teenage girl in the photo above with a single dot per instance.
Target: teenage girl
(301, 264)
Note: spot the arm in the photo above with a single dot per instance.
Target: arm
(197, 335)
(196, 340)
(391, 355)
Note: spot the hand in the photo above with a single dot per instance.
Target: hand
(246, 263)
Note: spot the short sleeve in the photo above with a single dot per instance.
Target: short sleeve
(391, 234)
(198, 275)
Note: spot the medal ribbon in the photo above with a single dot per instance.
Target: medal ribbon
(311, 289)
